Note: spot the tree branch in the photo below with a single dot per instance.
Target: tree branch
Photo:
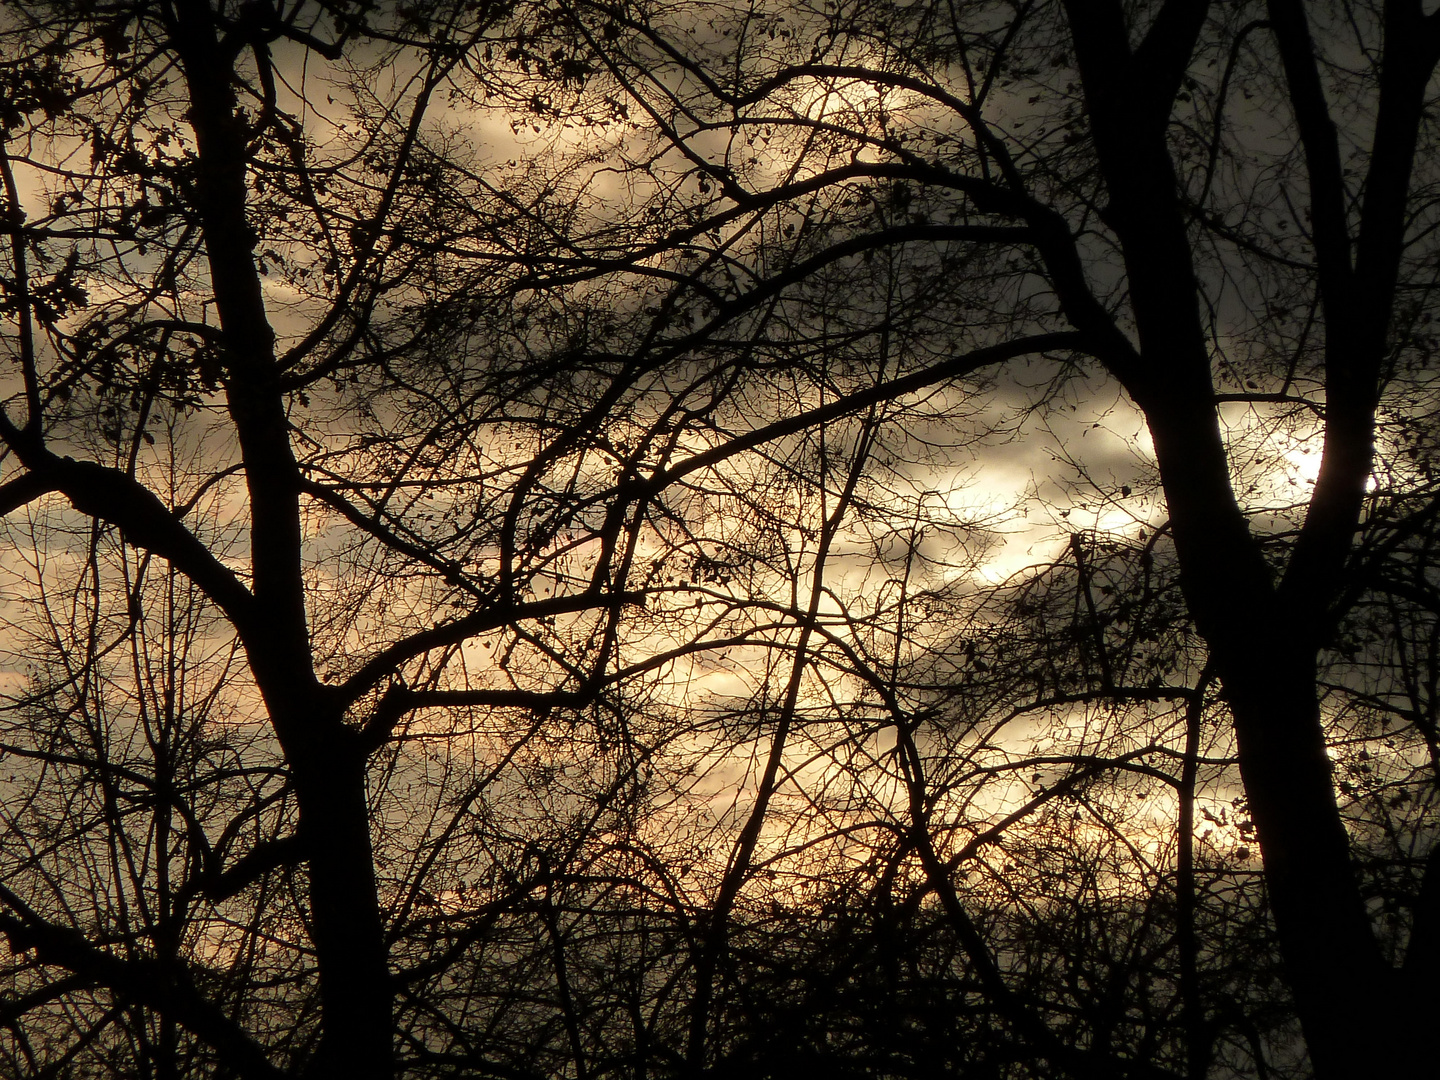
(150, 983)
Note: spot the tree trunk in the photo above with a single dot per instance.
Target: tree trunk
(1266, 662)
(1263, 639)
(345, 920)
(326, 760)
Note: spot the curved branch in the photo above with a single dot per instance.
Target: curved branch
(111, 496)
(150, 983)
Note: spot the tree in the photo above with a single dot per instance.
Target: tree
(184, 203)
(1231, 211)
(397, 518)
(557, 639)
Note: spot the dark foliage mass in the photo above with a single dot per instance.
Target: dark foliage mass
(715, 539)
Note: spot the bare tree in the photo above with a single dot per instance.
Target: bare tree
(414, 489)
(1231, 209)
(529, 439)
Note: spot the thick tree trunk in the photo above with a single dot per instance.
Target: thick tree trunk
(326, 760)
(1264, 636)
(1266, 665)
(1342, 988)
(1265, 656)
(345, 920)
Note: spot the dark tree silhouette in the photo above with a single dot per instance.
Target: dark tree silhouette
(373, 503)
(491, 585)
(1232, 210)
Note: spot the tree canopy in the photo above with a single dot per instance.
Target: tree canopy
(699, 539)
